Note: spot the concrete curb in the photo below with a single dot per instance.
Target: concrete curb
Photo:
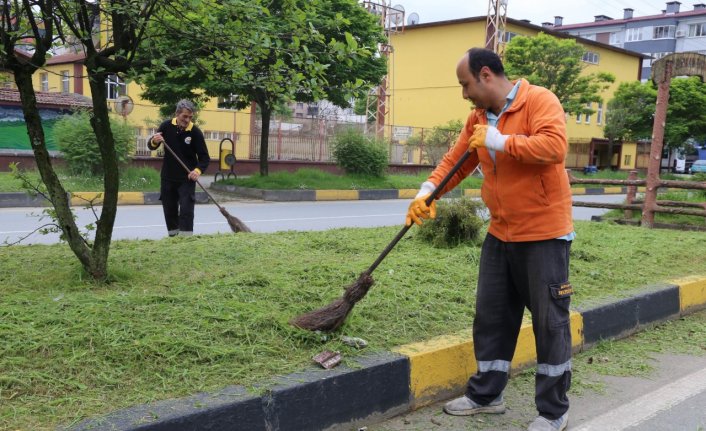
(21, 199)
(385, 385)
(79, 199)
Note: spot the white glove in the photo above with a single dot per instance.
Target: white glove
(426, 188)
(487, 136)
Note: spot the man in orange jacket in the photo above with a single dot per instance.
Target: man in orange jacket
(517, 134)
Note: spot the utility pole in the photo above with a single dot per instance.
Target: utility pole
(377, 106)
(495, 26)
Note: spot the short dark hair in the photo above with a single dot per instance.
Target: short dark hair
(481, 57)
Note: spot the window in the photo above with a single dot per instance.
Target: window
(115, 86)
(615, 39)
(226, 102)
(590, 57)
(507, 36)
(64, 81)
(44, 80)
(663, 32)
(588, 116)
(697, 30)
(633, 34)
(628, 160)
(599, 114)
(657, 55)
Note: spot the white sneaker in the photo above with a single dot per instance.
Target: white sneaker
(464, 406)
(544, 424)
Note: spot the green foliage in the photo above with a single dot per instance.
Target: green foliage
(357, 155)
(458, 221)
(438, 141)
(77, 142)
(246, 51)
(631, 112)
(557, 65)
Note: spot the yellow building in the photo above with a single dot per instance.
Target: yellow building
(424, 90)
(65, 73)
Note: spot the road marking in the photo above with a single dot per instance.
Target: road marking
(649, 405)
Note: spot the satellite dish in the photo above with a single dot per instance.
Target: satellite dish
(413, 18)
(397, 14)
(124, 105)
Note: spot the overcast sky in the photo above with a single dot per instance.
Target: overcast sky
(537, 11)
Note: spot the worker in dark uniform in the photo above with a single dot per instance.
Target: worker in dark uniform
(178, 187)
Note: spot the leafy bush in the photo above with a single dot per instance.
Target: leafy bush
(77, 142)
(458, 221)
(359, 156)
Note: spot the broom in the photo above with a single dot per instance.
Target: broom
(236, 225)
(333, 315)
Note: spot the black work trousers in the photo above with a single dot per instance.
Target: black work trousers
(515, 275)
(178, 200)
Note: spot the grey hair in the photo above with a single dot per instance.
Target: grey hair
(185, 105)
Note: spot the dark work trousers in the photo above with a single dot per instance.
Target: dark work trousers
(515, 275)
(178, 199)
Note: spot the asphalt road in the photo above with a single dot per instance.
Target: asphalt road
(147, 222)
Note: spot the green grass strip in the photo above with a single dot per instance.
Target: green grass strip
(185, 315)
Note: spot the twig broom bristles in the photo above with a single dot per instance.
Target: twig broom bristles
(333, 315)
(236, 225)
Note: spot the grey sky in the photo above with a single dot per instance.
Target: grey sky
(537, 11)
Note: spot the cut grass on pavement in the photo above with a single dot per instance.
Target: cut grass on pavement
(186, 315)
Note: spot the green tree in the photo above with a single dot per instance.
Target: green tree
(631, 112)
(44, 23)
(290, 50)
(437, 142)
(557, 65)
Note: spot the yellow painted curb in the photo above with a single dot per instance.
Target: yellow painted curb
(474, 193)
(407, 193)
(578, 191)
(131, 198)
(692, 292)
(612, 190)
(439, 366)
(526, 352)
(85, 198)
(336, 195)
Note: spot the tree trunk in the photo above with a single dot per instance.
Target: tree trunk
(100, 121)
(653, 167)
(57, 193)
(266, 113)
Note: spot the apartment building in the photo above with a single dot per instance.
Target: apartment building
(671, 31)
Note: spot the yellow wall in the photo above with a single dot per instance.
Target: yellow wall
(628, 156)
(424, 88)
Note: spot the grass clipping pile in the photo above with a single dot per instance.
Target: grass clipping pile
(458, 221)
